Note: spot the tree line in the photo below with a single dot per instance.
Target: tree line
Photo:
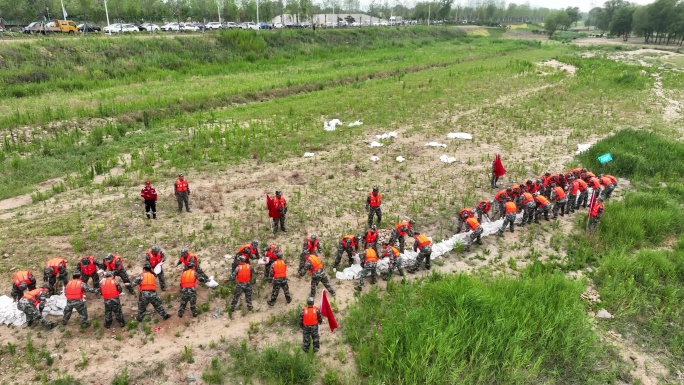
(661, 22)
(26, 11)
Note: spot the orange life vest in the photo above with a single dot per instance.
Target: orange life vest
(246, 249)
(574, 187)
(91, 268)
(594, 183)
(605, 181)
(401, 224)
(111, 266)
(501, 195)
(73, 290)
(310, 316)
(527, 198)
(181, 185)
(371, 236)
(472, 223)
(316, 263)
(279, 269)
(279, 202)
(148, 283)
(55, 264)
(154, 259)
(466, 212)
(189, 256)
(271, 252)
(576, 171)
(375, 199)
(34, 295)
(484, 206)
(560, 194)
(595, 208)
(541, 200)
(109, 289)
(311, 246)
(371, 256)
(511, 208)
(350, 241)
(21, 276)
(612, 178)
(422, 241)
(188, 279)
(244, 273)
(582, 185)
(395, 252)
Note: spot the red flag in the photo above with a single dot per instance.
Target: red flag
(592, 202)
(499, 169)
(272, 209)
(326, 311)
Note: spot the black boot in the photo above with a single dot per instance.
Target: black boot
(148, 215)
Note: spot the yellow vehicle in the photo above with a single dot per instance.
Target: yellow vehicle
(65, 26)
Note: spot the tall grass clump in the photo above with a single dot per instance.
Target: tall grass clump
(466, 330)
(279, 364)
(638, 155)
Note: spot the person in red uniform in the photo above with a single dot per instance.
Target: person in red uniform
(32, 304)
(55, 268)
(110, 291)
(154, 257)
(272, 253)
(371, 238)
(75, 295)
(182, 191)
(402, 229)
(191, 260)
(312, 245)
(423, 245)
(483, 209)
(510, 210)
(393, 254)
(475, 233)
(243, 275)
(148, 294)
(281, 206)
(369, 262)
(309, 319)
(22, 280)
(373, 205)
(88, 267)
(349, 244)
(462, 216)
(596, 213)
(279, 279)
(188, 291)
(249, 250)
(149, 195)
(114, 263)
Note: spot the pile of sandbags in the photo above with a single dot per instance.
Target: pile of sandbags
(55, 305)
(9, 314)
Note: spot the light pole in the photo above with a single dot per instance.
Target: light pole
(218, 5)
(257, 1)
(106, 12)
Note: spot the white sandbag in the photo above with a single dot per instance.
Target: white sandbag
(158, 268)
(582, 148)
(375, 144)
(263, 261)
(55, 305)
(400, 159)
(459, 135)
(447, 159)
(374, 158)
(211, 283)
(9, 313)
(331, 125)
(435, 144)
(308, 154)
(356, 123)
(391, 134)
(352, 272)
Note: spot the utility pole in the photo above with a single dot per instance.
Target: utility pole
(218, 5)
(106, 12)
(429, 13)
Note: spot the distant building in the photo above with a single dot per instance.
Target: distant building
(325, 18)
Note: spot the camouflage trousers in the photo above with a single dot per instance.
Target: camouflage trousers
(280, 283)
(322, 277)
(369, 268)
(560, 205)
(528, 212)
(162, 280)
(96, 279)
(480, 213)
(423, 255)
(608, 191)
(124, 278)
(279, 221)
(395, 264)
(474, 235)
(341, 250)
(149, 297)
(32, 313)
(183, 198)
(594, 222)
(241, 287)
(80, 307)
(542, 210)
(374, 211)
(460, 224)
(188, 295)
(570, 205)
(52, 282)
(112, 307)
(583, 199)
(310, 333)
(509, 220)
(394, 237)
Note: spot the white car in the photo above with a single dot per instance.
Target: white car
(278, 25)
(188, 27)
(149, 27)
(249, 25)
(213, 25)
(120, 28)
(170, 27)
(355, 24)
(230, 25)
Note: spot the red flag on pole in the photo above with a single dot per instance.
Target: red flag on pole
(592, 202)
(326, 311)
(499, 169)
(272, 209)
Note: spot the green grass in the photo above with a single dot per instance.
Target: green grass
(460, 329)
(274, 364)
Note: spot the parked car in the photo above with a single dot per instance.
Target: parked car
(265, 26)
(149, 27)
(170, 27)
(189, 27)
(342, 23)
(214, 25)
(230, 25)
(199, 25)
(120, 28)
(249, 25)
(278, 25)
(355, 24)
(305, 24)
(88, 27)
(32, 28)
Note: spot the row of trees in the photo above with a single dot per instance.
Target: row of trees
(659, 22)
(25, 11)
(562, 19)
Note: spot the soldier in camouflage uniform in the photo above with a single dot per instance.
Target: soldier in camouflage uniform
(32, 304)
(148, 294)
(423, 245)
(369, 262)
(309, 319)
(393, 254)
(314, 265)
(279, 279)
(243, 275)
(75, 295)
(114, 263)
(110, 290)
(188, 291)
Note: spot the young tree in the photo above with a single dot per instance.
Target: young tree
(641, 22)
(621, 24)
(573, 15)
(555, 21)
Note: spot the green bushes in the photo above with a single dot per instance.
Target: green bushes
(639, 155)
(465, 330)
(274, 365)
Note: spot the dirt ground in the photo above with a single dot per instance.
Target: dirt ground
(233, 202)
